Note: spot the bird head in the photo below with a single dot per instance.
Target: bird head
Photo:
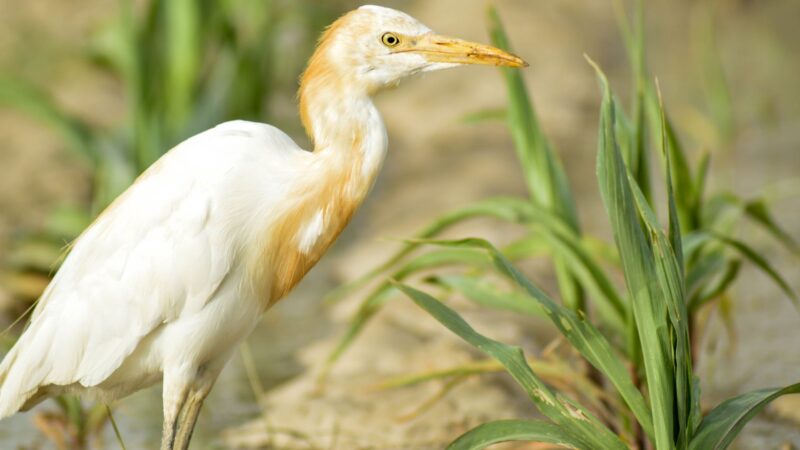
(373, 47)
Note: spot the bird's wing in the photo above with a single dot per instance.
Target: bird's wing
(159, 251)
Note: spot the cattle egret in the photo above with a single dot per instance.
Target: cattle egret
(178, 270)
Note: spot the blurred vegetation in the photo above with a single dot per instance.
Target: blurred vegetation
(635, 386)
(185, 66)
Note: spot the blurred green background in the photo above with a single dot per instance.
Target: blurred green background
(92, 92)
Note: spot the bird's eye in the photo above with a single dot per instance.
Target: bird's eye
(390, 39)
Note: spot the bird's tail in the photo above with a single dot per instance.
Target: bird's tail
(17, 382)
(8, 404)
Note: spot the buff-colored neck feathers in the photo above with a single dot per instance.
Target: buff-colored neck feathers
(349, 144)
(321, 82)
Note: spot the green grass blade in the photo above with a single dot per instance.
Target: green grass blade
(713, 290)
(485, 115)
(503, 208)
(713, 269)
(482, 292)
(491, 433)
(553, 371)
(585, 269)
(182, 60)
(508, 209)
(669, 262)
(760, 262)
(700, 183)
(582, 334)
(462, 370)
(591, 432)
(547, 369)
(133, 46)
(381, 294)
(719, 428)
(758, 211)
(544, 174)
(707, 265)
(671, 283)
(531, 245)
(635, 153)
(725, 208)
(684, 186)
(721, 211)
(649, 306)
(693, 243)
(117, 434)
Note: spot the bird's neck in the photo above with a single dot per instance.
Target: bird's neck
(345, 126)
(349, 147)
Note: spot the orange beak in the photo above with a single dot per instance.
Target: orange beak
(442, 49)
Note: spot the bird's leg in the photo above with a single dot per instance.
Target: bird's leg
(204, 381)
(175, 395)
(189, 418)
(170, 427)
(190, 412)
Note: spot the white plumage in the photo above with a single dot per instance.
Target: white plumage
(161, 266)
(179, 269)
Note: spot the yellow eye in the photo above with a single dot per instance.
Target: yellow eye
(390, 39)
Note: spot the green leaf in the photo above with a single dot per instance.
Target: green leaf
(638, 261)
(587, 428)
(542, 169)
(502, 208)
(508, 209)
(700, 183)
(543, 172)
(713, 290)
(531, 245)
(581, 333)
(585, 269)
(685, 190)
(710, 260)
(637, 157)
(693, 242)
(482, 292)
(490, 433)
(761, 263)
(551, 369)
(721, 426)
(669, 263)
(375, 300)
(759, 212)
(181, 60)
(485, 115)
(721, 211)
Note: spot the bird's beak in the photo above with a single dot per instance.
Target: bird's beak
(443, 49)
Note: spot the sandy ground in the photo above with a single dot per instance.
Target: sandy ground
(438, 163)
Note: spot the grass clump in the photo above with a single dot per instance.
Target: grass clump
(637, 388)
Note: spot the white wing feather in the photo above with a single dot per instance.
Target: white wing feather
(159, 252)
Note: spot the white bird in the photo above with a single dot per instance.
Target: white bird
(179, 269)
